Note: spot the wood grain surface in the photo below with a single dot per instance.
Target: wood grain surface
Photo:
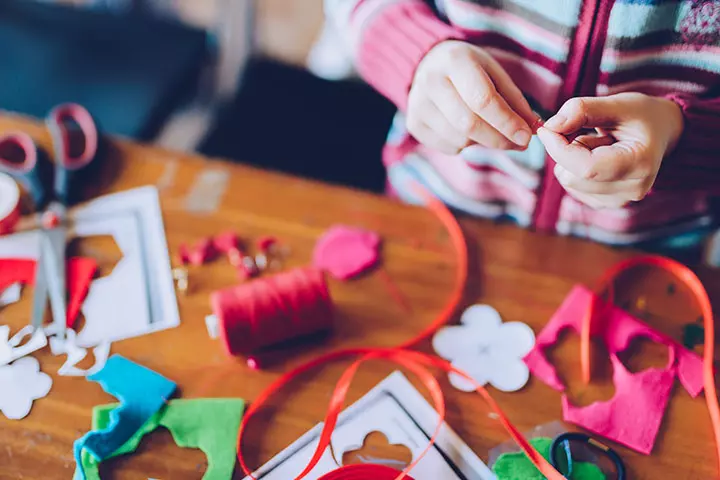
(524, 275)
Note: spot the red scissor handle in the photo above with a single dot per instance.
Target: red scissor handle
(58, 121)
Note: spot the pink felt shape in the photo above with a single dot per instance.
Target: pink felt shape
(346, 252)
(633, 416)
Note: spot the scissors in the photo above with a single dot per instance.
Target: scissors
(71, 126)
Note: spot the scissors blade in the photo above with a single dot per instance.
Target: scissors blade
(55, 276)
(40, 291)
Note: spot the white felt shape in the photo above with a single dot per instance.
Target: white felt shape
(21, 383)
(9, 349)
(11, 295)
(487, 349)
(68, 346)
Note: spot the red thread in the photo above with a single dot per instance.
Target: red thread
(273, 310)
(394, 291)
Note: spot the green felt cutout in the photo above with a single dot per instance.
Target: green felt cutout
(210, 424)
(516, 466)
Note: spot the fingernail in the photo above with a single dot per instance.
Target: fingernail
(522, 137)
(537, 124)
(555, 122)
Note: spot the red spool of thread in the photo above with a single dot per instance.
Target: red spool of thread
(363, 472)
(272, 310)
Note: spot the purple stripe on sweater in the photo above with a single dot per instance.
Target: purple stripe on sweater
(497, 40)
(670, 72)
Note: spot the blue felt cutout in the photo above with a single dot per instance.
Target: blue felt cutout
(141, 392)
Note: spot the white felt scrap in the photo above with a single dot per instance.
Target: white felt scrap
(21, 383)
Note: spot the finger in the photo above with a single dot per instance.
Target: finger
(480, 95)
(585, 112)
(602, 164)
(505, 85)
(452, 106)
(428, 137)
(439, 123)
(630, 190)
(597, 202)
(591, 142)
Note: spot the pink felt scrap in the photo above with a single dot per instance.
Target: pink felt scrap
(633, 416)
(80, 272)
(346, 252)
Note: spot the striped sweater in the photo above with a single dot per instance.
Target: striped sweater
(555, 50)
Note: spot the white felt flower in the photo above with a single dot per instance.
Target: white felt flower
(487, 349)
(21, 383)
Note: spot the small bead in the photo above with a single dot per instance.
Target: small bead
(253, 363)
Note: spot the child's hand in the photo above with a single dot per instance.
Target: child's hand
(618, 164)
(460, 96)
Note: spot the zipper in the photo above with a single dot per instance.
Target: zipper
(583, 72)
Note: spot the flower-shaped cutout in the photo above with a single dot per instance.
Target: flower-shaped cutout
(21, 383)
(487, 349)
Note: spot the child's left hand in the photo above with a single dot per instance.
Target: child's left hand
(619, 163)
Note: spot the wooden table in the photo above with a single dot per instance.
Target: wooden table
(522, 274)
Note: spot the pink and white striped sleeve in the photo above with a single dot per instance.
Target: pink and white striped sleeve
(695, 163)
(388, 39)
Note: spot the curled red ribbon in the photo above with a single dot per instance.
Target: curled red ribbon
(420, 364)
(416, 362)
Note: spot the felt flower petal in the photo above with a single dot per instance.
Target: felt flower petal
(508, 374)
(476, 367)
(483, 320)
(514, 339)
(453, 342)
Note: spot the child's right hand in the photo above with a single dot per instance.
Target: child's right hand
(461, 96)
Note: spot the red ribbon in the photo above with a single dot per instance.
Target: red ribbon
(418, 363)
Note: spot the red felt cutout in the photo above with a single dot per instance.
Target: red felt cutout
(80, 272)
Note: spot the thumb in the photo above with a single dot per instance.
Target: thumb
(585, 112)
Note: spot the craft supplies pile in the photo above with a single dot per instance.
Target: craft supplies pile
(33, 253)
(269, 306)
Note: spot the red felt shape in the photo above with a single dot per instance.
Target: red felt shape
(183, 254)
(227, 242)
(204, 251)
(633, 416)
(346, 252)
(80, 272)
